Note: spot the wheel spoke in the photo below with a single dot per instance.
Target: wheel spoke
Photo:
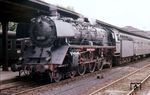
(72, 74)
(92, 67)
(81, 69)
(57, 76)
(49, 76)
(99, 65)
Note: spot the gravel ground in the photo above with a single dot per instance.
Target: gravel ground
(90, 84)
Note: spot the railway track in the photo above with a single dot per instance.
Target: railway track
(14, 87)
(138, 86)
(9, 85)
(19, 88)
(126, 85)
(144, 89)
(32, 89)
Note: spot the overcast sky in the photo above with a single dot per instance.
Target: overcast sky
(121, 13)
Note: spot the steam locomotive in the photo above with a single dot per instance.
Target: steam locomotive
(60, 47)
(66, 47)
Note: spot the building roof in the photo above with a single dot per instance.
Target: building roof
(137, 31)
(123, 30)
(131, 28)
(22, 10)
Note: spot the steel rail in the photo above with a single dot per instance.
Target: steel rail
(105, 87)
(51, 85)
(134, 90)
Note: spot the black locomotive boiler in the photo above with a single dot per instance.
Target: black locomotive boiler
(66, 47)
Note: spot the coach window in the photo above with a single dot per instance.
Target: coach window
(9, 44)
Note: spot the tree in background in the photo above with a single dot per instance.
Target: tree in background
(12, 26)
(68, 7)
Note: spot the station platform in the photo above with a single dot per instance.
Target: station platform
(6, 76)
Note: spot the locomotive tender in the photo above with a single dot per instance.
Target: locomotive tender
(63, 47)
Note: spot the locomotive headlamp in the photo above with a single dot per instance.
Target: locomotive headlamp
(18, 51)
(20, 58)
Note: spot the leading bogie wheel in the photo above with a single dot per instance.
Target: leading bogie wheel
(27, 70)
(57, 76)
(72, 74)
(49, 76)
